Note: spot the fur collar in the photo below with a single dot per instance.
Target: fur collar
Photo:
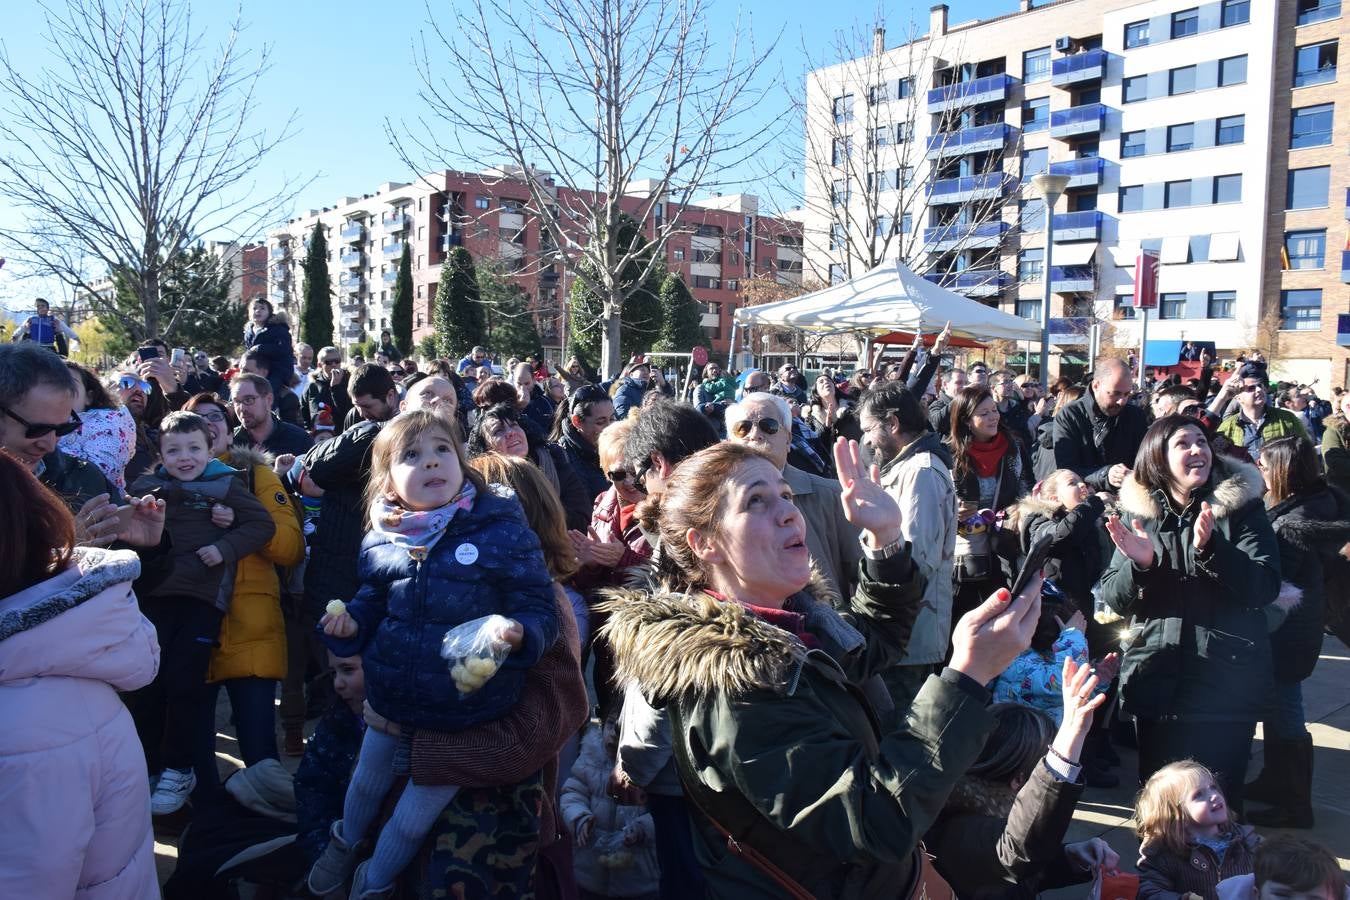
(99, 570)
(245, 458)
(1232, 485)
(1032, 505)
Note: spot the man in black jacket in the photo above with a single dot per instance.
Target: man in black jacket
(327, 390)
(1098, 435)
(589, 412)
(251, 396)
(940, 410)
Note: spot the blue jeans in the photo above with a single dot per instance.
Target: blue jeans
(1284, 720)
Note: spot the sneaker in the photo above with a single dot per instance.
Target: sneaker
(171, 791)
(330, 871)
(360, 891)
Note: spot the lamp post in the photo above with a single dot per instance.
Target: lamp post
(1049, 187)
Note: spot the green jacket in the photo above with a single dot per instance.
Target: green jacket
(1336, 453)
(785, 747)
(1278, 423)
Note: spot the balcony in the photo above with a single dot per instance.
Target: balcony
(278, 297)
(390, 277)
(1073, 279)
(281, 252)
(1078, 226)
(353, 232)
(970, 140)
(962, 190)
(1079, 68)
(964, 237)
(1345, 266)
(394, 249)
(351, 259)
(281, 275)
(349, 303)
(1081, 172)
(990, 89)
(972, 282)
(397, 222)
(350, 282)
(1086, 119)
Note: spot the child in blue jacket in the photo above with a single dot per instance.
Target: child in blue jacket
(443, 550)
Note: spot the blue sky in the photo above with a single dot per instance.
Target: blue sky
(344, 67)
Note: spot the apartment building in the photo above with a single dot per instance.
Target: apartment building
(1205, 131)
(724, 242)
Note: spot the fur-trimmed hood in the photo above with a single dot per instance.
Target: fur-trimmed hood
(1316, 523)
(1232, 485)
(93, 571)
(244, 458)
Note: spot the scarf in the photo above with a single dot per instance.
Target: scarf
(793, 623)
(418, 530)
(986, 456)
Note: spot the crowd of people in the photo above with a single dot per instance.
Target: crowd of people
(530, 632)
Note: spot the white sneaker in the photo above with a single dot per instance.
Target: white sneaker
(171, 792)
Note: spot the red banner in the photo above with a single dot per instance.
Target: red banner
(1146, 280)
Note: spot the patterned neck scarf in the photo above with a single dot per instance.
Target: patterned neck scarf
(417, 531)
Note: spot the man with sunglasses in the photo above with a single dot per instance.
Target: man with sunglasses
(327, 390)
(1257, 420)
(577, 433)
(764, 421)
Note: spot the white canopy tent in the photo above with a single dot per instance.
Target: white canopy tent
(890, 298)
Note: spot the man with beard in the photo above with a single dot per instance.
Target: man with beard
(284, 400)
(251, 397)
(916, 471)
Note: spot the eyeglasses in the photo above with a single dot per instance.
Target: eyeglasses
(215, 417)
(767, 425)
(131, 382)
(35, 430)
(640, 475)
(247, 400)
(618, 476)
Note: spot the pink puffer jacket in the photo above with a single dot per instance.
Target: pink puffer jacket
(73, 785)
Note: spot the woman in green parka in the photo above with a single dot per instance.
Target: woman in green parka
(774, 739)
(1194, 568)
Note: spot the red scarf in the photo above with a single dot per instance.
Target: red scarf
(987, 456)
(791, 622)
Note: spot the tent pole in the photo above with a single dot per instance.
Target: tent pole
(731, 348)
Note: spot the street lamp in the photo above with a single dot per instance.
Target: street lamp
(1049, 187)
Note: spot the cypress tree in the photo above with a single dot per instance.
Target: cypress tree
(458, 313)
(680, 317)
(401, 316)
(316, 313)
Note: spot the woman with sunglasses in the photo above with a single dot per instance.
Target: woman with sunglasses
(107, 433)
(501, 428)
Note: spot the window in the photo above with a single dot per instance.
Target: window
(1034, 162)
(1036, 65)
(1136, 34)
(705, 255)
(1177, 194)
(841, 148)
(839, 191)
(1301, 310)
(1308, 188)
(881, 181)
(1186, 22)
(1029, 308)
(903, 132)
(1180, 137)
(878, 93)
(1131, 144)
(677, 254)
(836, 273)
(1035, 115)
(1233, 70)
(1181, 80)
(1306, 249)
(881, 137)
(1230, 130)
(1131, 198)
(904, 176)
(1311, 127)
(884, 226)
(837, 240)
(1227, 188)
(481, 202)
(906, 223)
(1310, 11)
(1172, 306)
(1031, 216)
(1030, 265)
(843, 109)
(1221, 304)
(708, 282)
(1315, 64)
(1134, 89)
(905, 88)
(1124, 308)
(1235, 12)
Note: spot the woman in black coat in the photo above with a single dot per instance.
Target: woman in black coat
(270, 334)
(1312, 523)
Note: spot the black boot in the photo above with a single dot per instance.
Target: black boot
(1269, 786)
(1294, 808)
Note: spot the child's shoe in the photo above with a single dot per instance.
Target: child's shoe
(331, 870)
(171, 791)
(361, 892)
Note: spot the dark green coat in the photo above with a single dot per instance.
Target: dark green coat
(1204, 650)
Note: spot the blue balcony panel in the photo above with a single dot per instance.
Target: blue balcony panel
(1089, 118)
(990, 89)
(281, 252)
(351, 259)
(353, 232)
(972, 282)
(1078, 226)
(1081, 172)
(349, 280)
(390, 277)
(1073, 279)
(972, 187)
(395, 223)
(394, 249)
(980, 139)
(1078, 68)
(965, 237)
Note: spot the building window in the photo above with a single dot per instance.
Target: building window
(1311, 127)
(704, 255)
(1233, 70)
(1301, 310)
(1177, 194)
(843, 109)
(1181, 81)
(1308, 188)
(1131, 198)
(677, 254)
(1186, 22)
(1136, 34)
(481, 202)
(1035, 115)
(1029, 308)
(1310, 11)
(904, 176)
(841, 148)
(1180, 137)
(1134, 89)
(1235, 12)
(1230, 130)
(884, 226)
(837, 241)
(1315, 64)
(1031, 216)
(878, 93)
(836, 273)
(1124, 306)
(1034, 162)
(707, 282)
(1036, 65)
(1306, 249)
(839, 191)
(881, 137)
(1131, 144)
(1031, 265)
(1171, 306)
(1221, 304)
(879, 181)
(1227, 188)
(903, 132)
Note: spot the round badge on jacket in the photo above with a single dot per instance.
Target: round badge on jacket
(466, 554)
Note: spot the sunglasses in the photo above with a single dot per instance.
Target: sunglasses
(618, 476)
(129, 382)
(332, 362)
(35, 430)
(743, 428)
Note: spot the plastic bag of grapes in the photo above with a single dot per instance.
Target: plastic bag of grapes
(475, 651)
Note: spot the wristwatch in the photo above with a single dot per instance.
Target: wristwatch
(885, 552)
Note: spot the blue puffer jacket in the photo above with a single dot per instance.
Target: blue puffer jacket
(488, 561)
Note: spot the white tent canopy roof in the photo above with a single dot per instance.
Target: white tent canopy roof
(890, 298)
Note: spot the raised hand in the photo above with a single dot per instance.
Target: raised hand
(340, 626)
(1136, 544)
(866, 503)
(989, 637)
(1078, 684)
(141, 522)
(943, 338)
(1204, 525)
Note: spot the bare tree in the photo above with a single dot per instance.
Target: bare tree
(595, 104)
(133, 144)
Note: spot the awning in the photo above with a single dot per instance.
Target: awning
(1176, 249)
(1125, 253)
(1223, 247)
(1073, 254)
(1162, 353)
(1066, 359)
